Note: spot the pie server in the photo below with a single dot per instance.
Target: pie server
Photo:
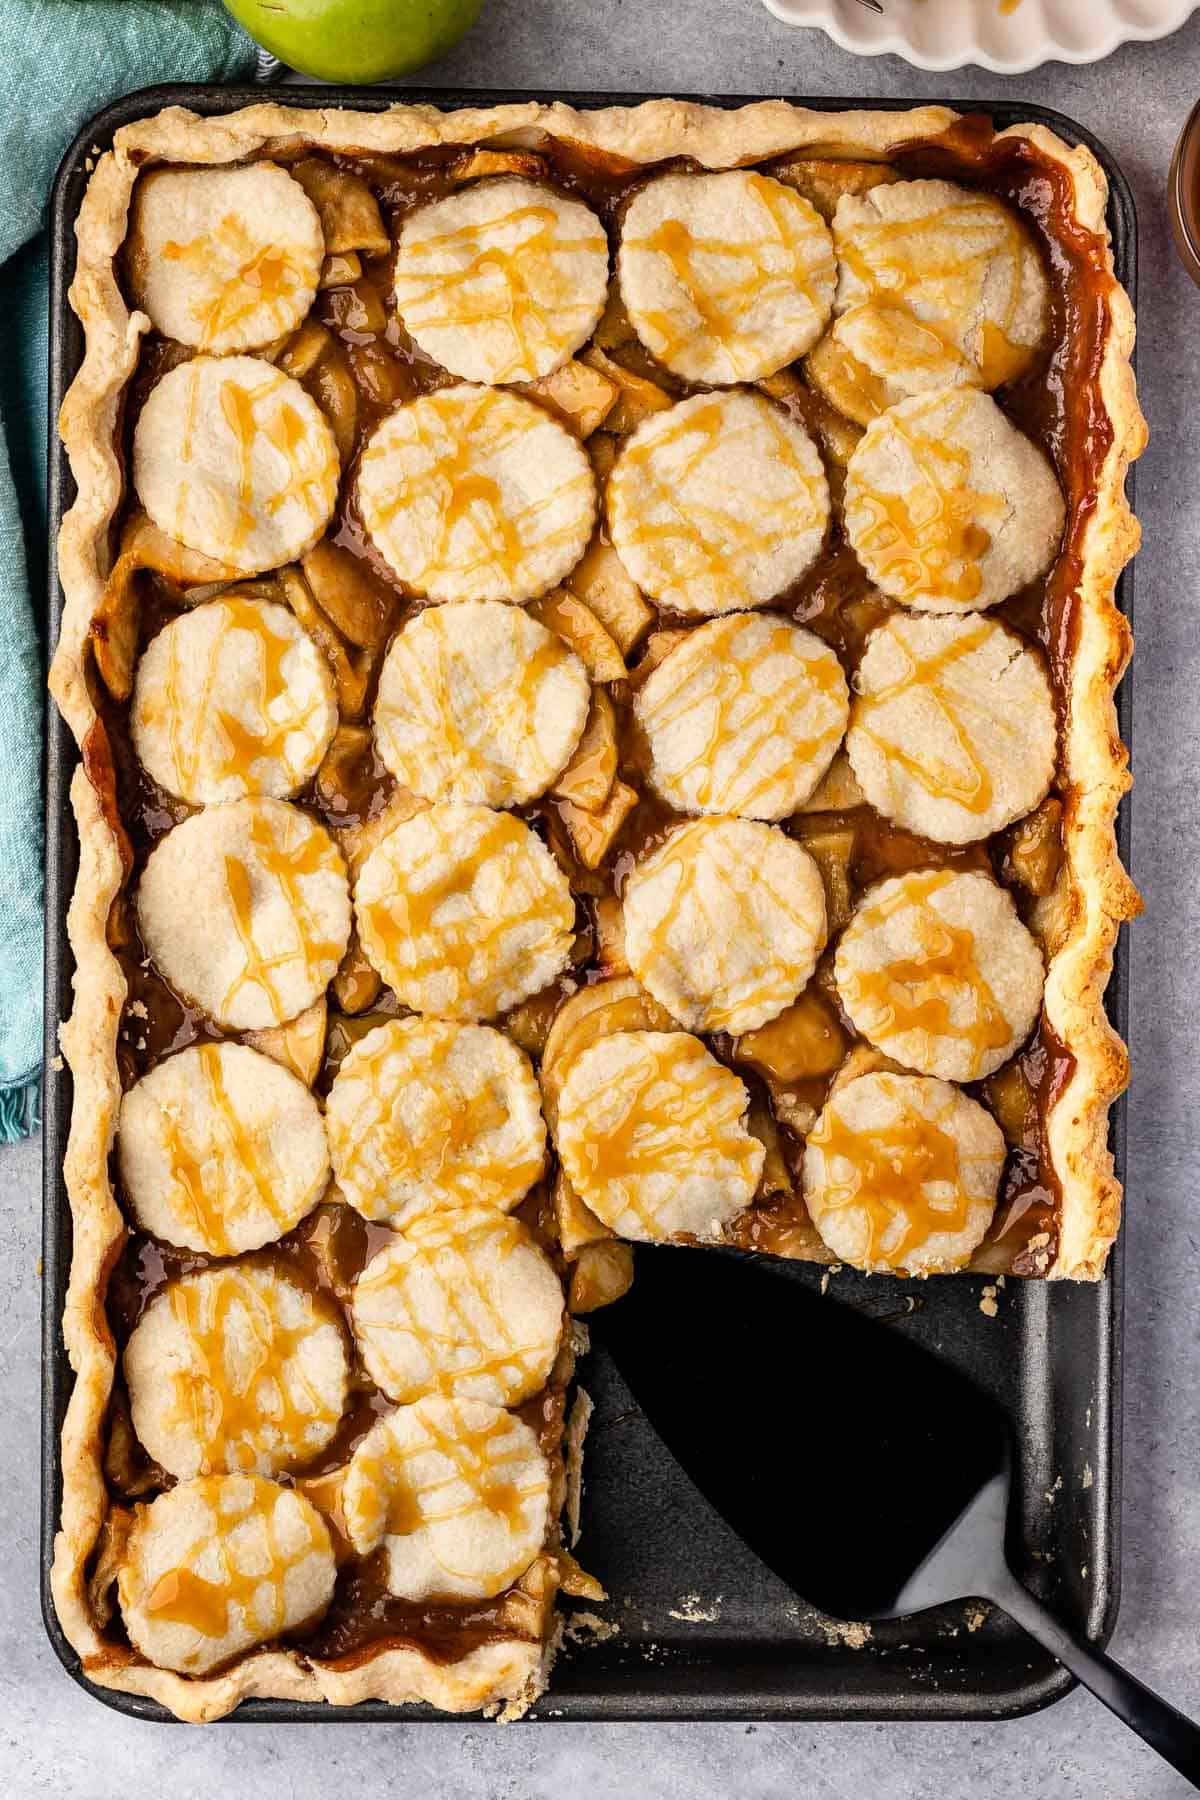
(866, 1472)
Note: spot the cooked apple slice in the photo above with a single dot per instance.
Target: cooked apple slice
(832, 851)
(577, 1223)
(299, 1045)
(638, 398)
(837, 790)
(610, 935)
(803, 1043)
(602, 582)
(578, 626)
(824, 179)
(602, 1273)
(350, 216)
(594, 833)
(344, 588)
(580, 396)
(340, 270)
(588, 778)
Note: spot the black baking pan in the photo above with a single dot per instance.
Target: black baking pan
(703, 1630)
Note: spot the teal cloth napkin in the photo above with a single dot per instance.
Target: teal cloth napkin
(62, 61)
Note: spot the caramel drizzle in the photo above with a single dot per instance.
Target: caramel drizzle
(453, 1316)
(722, 279)
(941, 268)
(929, 541)
(528, 290)
(305, 452)
(242, 1407)
(711, 543)
(456, 1123)
(696, 909)
(475, 1480)
(288, 864)
(922, 995)
(740, 700)
(180, 1596)
(262, 275)
(672, 1112)
(246, 1172)
(468, 720)
(891, 1171)
(242, 746)
(420, 931)
(969, 785)
(469, 523)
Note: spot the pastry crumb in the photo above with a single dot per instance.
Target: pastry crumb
(693, 1611)
(976, 1615)
(588, 1628)
(987, 1301)
(1052, 1493)
(852, 1633)
(1087, 1476)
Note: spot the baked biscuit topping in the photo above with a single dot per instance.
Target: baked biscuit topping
(948, 507)
(457, 1494)
(726, 277)
(719, 504)
(936, 969)
(233, 698)
(479, 702)
(463, 1303)
(502, 281)
(221, 1150)
(232, 458)
(427, 1116)
(244, 908)
(652, 1133)
(473, 494)
(952, 728)
(224, 259)
(743, 717)
(959, 261)
(236, 1370)
(900, 1172)
(724, 923)
(219, 1564)
(464, 912)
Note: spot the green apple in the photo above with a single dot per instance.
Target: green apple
(356, 40)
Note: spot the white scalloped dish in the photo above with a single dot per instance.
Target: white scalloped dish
(997, 34)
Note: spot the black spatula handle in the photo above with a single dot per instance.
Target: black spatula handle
(1176, 1739)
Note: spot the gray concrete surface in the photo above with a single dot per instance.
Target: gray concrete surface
(54, 1740)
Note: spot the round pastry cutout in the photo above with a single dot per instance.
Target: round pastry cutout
(502, 281)
(479, 702)
(718, 504)
(426, 1116)
(463, 1302)
(233, 698)
(652, 1134)
(952, 726)
(959, 261)
(936, 970)
(724, 923)
(244, 908)
(221, 1150)
(471, 493)
(232, 458)
(238, 1369)
(217, 1565)
(901, 1174)
(879, 354)
(725, 277)
(464, 912)
(455, 1491)
(743, 717)
(224, 259)
(948, 506)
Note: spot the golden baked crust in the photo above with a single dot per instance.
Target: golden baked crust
(1092, 898)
